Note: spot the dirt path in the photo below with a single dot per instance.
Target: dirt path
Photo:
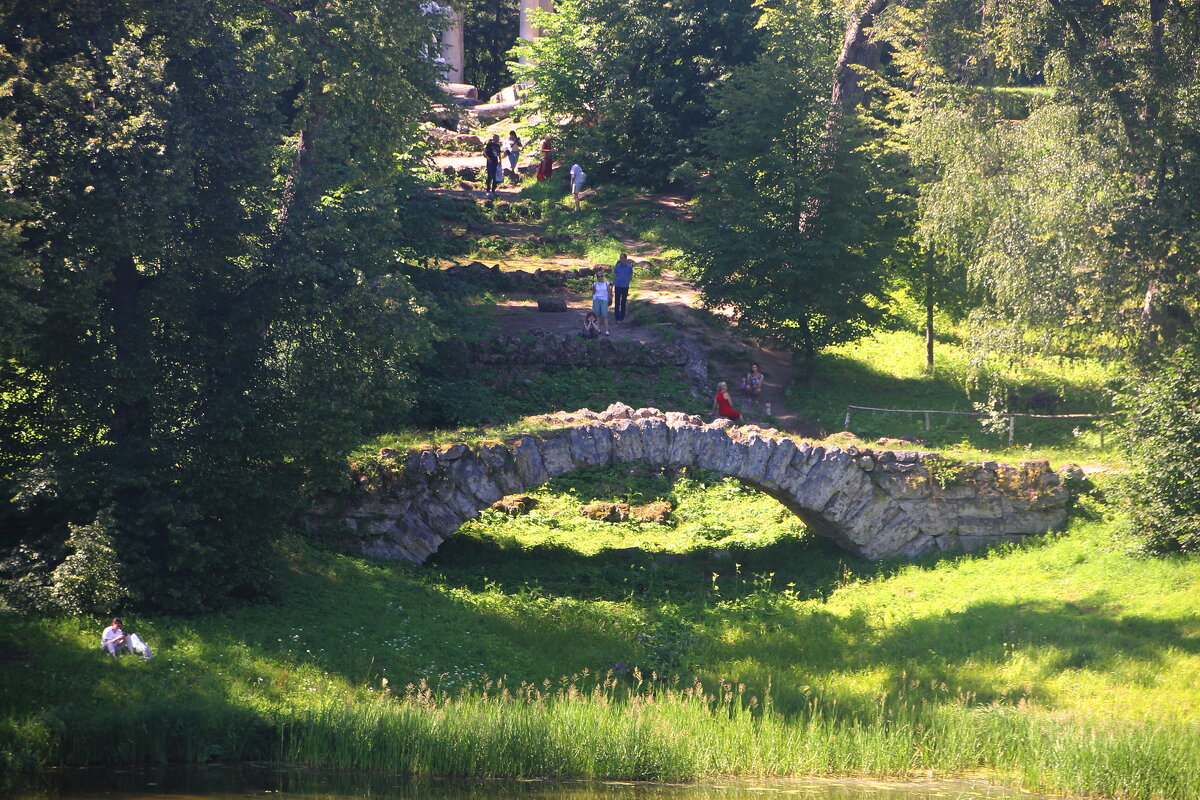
(656, 303)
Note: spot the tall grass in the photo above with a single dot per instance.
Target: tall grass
(665, 732)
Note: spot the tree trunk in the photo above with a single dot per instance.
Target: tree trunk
(130, 392)
(857, 51)
(929, 322)
(810, 352)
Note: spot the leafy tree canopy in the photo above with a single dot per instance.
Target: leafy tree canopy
(635, 77)
(797, 220)
(203, 212)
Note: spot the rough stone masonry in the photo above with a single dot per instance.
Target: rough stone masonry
(874, 503)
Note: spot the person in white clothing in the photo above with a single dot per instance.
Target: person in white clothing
(578, 177)
(113, 640)
(601, 295)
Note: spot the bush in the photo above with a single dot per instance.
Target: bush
(1162, 435)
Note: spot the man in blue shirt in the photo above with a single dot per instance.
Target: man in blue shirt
(622, 277)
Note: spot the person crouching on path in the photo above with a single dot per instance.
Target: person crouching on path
(491, 155)
(113, 640)
(622, 278)
(591, 326)
(723, 403)
(601, 295)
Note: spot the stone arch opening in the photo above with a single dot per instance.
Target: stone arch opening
(874, 504)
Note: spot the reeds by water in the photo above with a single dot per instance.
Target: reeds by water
(639, 729)
(657, 731)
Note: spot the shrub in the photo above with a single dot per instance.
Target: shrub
(1162, 434)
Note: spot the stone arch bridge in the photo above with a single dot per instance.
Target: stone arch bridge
(874, 503)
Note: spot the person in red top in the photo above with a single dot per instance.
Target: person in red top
(546, 165)
(723, 403)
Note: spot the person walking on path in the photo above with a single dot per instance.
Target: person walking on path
(622, 278)
(546, 165)
(723, 403)
(491, 154)
(513, 147)
(601, 296)
(753, 382)
(578, 177)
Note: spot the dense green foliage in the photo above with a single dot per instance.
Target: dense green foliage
(201, 209)
(794, 225)
(1161, 437)
(635, 78)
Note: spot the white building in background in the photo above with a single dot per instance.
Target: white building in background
(527, 29)
(452, 50)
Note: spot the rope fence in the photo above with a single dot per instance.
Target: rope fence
(1011, 417)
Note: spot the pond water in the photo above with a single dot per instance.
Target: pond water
(264, 782)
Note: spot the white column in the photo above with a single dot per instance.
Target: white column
(527, 29)
(452, 49)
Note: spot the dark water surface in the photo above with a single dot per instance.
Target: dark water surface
(266, 782)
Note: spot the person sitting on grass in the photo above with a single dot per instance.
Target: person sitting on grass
(591, 326)
(113, 640)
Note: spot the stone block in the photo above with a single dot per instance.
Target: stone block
(423, 459)
(438, 516)
(934, 516)
(655, 444)
(616, 411)
(757, 452)
(556, 455)
(527, 453)
(470, 475)
(627, 441)
(893, 538)
(684, 440)
(452, 453)
(591, 445)
(904, 483)
(459, 501)
(780, 461)
(502, 467)
(953, 492)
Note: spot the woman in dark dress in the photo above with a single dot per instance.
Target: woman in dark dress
(546, 165)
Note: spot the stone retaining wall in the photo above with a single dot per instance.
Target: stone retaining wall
(875, 504)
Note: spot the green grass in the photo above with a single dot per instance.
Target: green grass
(726, 641)
(887, 370)
(1065, 664)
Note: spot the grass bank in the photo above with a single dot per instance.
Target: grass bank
(723, 640)
(1065, 664)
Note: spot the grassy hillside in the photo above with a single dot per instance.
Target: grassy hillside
(726, 640)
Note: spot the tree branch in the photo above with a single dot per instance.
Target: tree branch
(279, 10)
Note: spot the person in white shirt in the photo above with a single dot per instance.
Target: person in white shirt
(114, 639)
(578, 177)
(601, 294)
